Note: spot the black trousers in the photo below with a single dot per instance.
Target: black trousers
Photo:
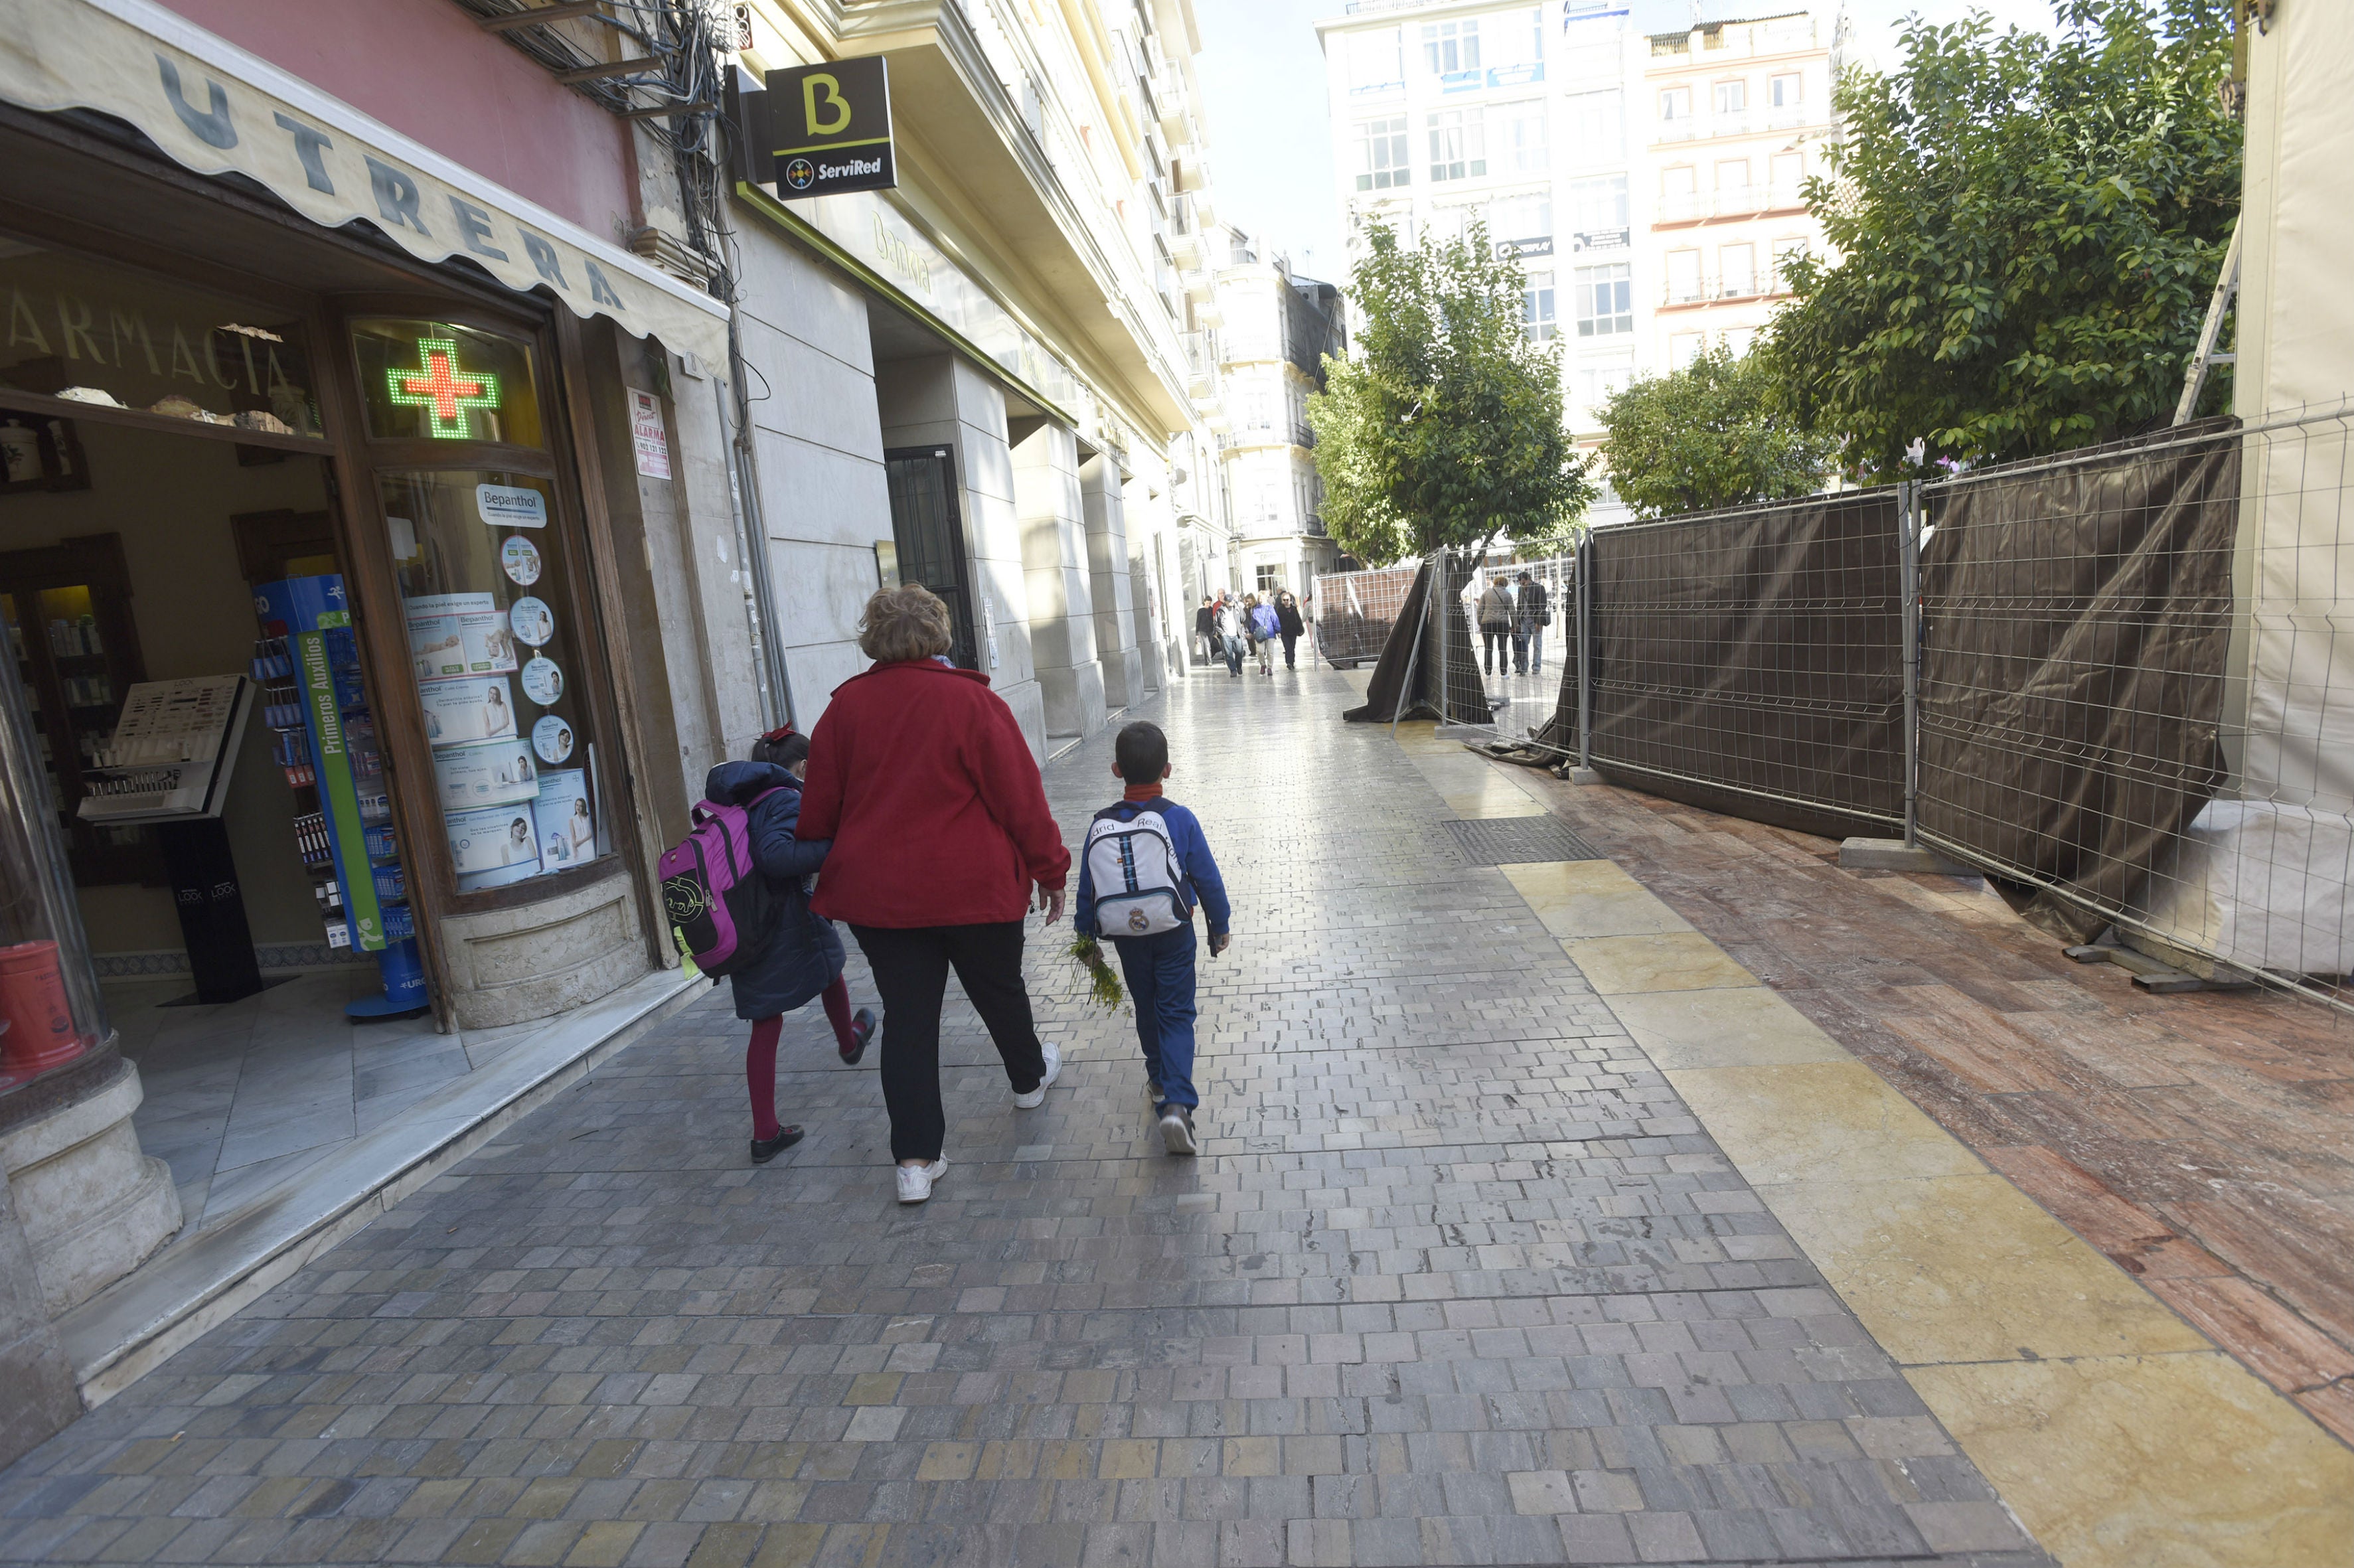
(1495, 646)
(911, 974)
(1290, 641)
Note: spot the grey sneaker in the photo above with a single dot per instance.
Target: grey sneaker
(1177, 1130)
(1037, 1096)
(1151, 1087)
(915, 1181)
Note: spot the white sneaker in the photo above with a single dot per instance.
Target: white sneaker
(1037, 1096)
(1177, 1130)
(915, 1181)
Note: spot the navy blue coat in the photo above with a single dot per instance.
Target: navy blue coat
(803, 954)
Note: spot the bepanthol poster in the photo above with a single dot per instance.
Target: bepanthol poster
(495, 840)
(567, 832)
(489, 773)
(476, 707)
(454, 634)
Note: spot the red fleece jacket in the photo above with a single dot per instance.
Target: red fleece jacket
(921, 778)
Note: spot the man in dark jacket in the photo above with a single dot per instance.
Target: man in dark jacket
(1528, 628)
(1205, 628)
(1289, 625)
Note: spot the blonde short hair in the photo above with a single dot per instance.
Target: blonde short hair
(905, 622)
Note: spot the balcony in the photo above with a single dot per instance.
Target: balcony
(1733, 41)
(1716, 289)
(1270, 433)
(1740, 201)
(1697, 127)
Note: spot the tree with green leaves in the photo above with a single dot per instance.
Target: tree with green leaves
(1715, 434)
(1445, 426)
(2025, 234)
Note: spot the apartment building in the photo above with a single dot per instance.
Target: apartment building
(1279, 328)
(1593, 151)
(1737, 116)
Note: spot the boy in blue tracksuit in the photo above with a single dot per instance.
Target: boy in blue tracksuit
(1159, 967)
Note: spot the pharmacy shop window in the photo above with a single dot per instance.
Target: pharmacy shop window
(481, 564)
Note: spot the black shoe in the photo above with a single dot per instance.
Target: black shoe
(862, 1030)
(767, 1148)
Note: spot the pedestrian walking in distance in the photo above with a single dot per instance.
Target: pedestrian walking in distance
(943, 844)
(1288, 622)
(797, 956)
(1266, 626)
(1533, 612)
(1230, 634)
(1145, 869)
(1497, 613)
(1206, 630)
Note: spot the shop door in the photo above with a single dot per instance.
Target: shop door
(929, 534)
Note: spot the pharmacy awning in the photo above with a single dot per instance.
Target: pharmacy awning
(216, 109)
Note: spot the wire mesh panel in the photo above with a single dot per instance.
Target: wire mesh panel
(1354, 611)
(2074, 617)
(1520, 664)
(1462, 686)
(1750, 660)
(2104, 718)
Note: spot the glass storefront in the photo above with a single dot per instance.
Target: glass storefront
(170, 517)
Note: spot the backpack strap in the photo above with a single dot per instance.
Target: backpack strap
(1158, 805)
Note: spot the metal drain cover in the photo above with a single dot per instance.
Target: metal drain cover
(1519, 841)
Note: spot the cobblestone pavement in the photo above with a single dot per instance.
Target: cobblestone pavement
(1456, 1279)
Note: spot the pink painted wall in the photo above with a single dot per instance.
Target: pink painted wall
(423, 67)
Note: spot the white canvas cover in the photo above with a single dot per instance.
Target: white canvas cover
(2262, 881)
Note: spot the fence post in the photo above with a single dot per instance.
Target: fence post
(1908, 586)
(1442, 586)
(1413, 656)
(1584, 652)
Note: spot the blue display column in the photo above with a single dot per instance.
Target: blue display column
(308, 661)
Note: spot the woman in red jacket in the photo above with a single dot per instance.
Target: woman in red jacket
(943, 844)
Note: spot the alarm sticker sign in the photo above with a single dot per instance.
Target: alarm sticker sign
(649, 436)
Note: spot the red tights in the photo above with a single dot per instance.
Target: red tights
(761, 1056)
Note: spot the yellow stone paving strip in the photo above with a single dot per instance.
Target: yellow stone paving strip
(2119, 1434)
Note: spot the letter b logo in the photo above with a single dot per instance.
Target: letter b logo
(828, 115)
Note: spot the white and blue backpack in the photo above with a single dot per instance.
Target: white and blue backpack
(1132, 865)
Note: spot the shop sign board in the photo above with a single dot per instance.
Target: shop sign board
(830, 128)
(215, 109)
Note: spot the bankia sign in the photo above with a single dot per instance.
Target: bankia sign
(829, 128)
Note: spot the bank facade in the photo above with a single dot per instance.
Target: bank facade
(428, 448)
(984, 370)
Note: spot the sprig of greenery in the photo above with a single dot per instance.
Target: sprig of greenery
(1103, 980)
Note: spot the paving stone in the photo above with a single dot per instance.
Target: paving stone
(1455, 1280)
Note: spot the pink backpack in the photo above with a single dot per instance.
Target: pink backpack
(713, 893)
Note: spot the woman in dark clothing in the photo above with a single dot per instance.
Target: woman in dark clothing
(802, 957)
(1288, 624)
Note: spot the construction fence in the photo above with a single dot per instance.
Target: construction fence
(2119, 680)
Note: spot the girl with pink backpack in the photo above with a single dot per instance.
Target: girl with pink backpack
(791, 954)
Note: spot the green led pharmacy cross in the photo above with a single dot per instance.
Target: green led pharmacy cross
(440, 388)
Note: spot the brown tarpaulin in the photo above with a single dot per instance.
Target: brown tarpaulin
(1385, 696)
(2075, 618)
(1746, 661)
